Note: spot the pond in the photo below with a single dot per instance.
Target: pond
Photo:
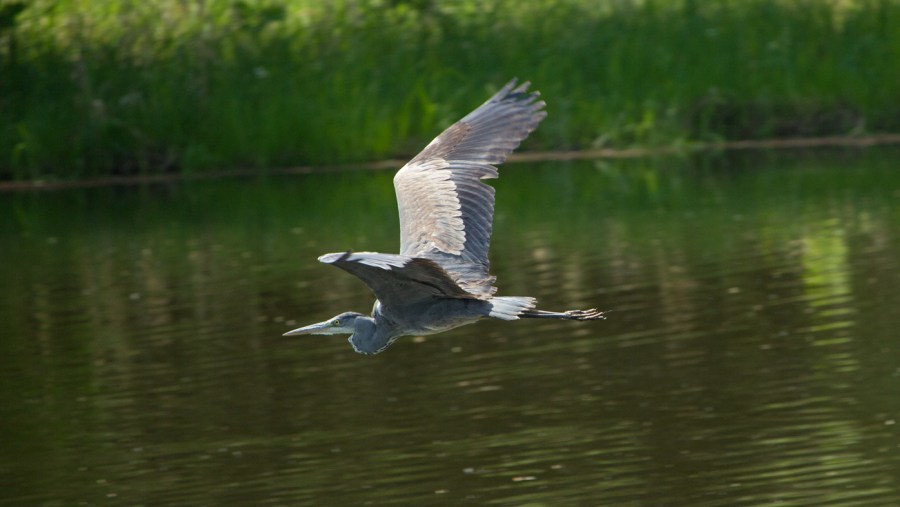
(750, 355)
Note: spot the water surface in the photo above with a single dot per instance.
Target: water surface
(750, 356)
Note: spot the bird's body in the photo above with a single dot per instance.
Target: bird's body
(419, 319)
(441, 280)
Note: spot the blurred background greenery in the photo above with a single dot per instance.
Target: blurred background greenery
(123, 87)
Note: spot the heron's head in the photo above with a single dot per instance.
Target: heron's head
(361, 329)
(344, 323)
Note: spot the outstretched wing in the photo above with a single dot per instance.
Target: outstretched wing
(397, 280)
(446, 212)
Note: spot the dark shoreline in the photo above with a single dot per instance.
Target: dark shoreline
(535, 156)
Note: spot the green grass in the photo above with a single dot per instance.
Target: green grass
(129, 87)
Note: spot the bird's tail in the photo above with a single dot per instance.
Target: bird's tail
(591, 314)
(511, 307)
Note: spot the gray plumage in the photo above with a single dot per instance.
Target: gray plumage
(441, 279)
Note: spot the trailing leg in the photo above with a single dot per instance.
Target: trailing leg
(592, 314)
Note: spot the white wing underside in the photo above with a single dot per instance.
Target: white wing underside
(446, 211)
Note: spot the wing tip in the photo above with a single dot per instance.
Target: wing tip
(519, 91)
(331, 258)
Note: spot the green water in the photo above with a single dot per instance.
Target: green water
(750, 356)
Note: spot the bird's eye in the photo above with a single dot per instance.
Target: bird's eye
(336, 322)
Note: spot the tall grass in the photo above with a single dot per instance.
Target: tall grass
(125, 86)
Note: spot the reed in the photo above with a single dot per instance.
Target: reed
(127, 87)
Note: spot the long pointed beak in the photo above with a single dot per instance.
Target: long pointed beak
(320, 328)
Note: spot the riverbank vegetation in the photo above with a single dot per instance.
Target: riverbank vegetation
(128, 87)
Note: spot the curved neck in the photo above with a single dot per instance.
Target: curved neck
(367, 337)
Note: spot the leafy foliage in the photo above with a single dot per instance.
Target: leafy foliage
(126, 87)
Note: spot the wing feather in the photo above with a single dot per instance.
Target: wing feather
(397, 280)
(446, 211)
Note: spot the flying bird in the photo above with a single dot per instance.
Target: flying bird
(440, 279)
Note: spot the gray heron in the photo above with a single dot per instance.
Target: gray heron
(440, 279)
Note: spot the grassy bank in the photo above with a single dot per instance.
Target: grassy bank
(127, 87)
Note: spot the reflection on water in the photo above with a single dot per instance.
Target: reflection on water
(749, 358)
